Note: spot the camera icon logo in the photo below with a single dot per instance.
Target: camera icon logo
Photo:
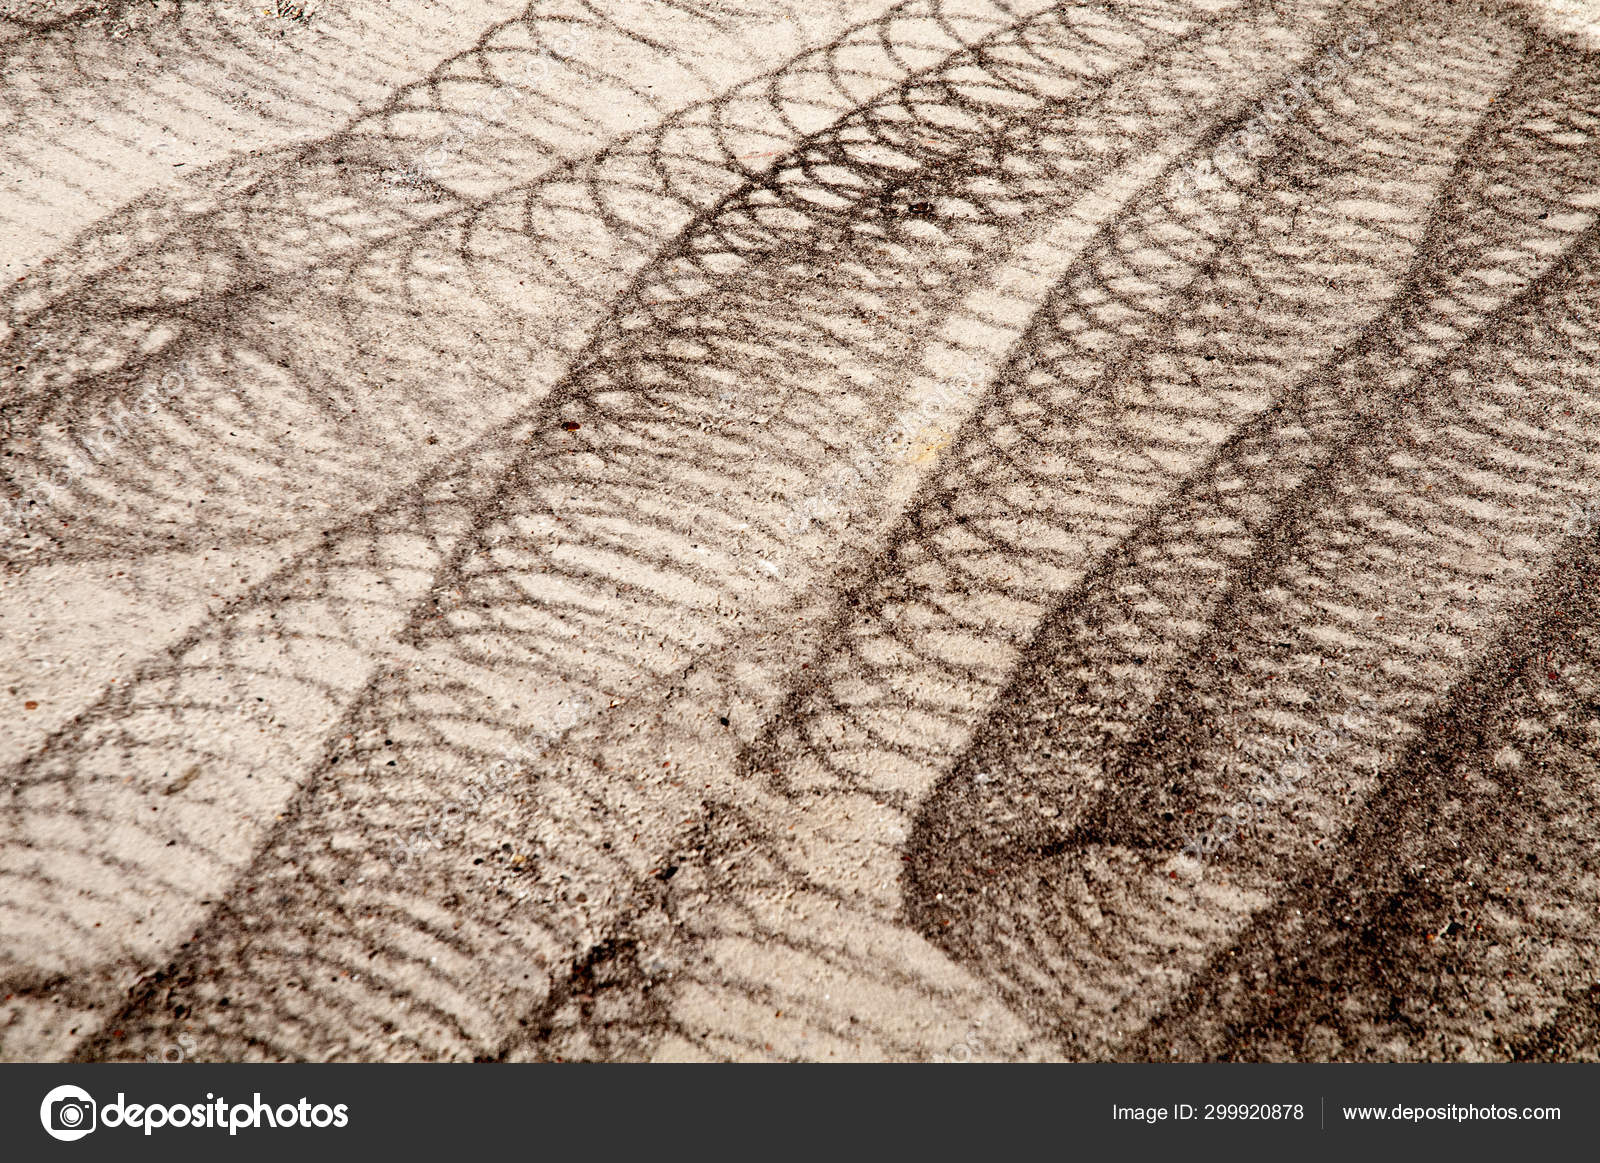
(68, 1113)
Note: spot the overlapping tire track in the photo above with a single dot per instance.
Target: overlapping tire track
(316, 625)
(1239, 424)
(112, 813)
(1293, 638)
(451, 732)
(1427, 937)
(106, 101)
(996, 534)
(753, 969)
(1456, 920)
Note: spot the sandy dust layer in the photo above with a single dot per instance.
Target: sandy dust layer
(938, 529)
